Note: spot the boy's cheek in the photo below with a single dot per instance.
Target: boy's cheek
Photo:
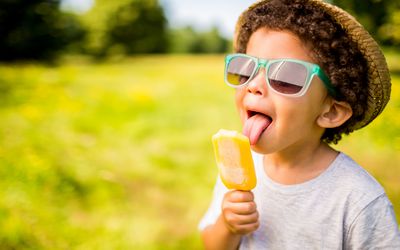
(239, 97)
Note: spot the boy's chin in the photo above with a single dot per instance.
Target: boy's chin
(260, 147)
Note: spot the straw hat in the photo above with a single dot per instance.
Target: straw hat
(379, 84)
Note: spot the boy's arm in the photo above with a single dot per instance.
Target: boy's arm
(375, 227)
(218, 236)
(238, 217)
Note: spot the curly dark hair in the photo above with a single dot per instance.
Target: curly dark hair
(331, 48)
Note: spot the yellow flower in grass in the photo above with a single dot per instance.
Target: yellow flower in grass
(142, 97)
(31, 112)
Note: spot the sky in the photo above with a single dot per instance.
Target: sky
(203, 14)
(200, 14)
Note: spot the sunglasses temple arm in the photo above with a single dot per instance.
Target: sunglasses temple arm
(328, 85)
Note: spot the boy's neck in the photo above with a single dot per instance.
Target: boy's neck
(291, 168)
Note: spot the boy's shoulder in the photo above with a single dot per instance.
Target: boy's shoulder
(344, 178)
(351, 187)
(350, 176)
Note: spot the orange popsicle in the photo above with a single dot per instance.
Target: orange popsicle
(234, 160)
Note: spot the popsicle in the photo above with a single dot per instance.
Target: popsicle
(234, 160)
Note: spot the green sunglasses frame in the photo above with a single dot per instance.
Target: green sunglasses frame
(312, 70)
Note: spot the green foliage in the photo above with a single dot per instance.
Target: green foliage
(36, 30)
(187, 40)
(379, 17)
(390, 31)
(95, 21)
(137, 27)
(118, 155)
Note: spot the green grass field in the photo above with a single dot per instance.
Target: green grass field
(118, 155)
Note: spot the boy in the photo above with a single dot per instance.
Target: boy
(306, 72)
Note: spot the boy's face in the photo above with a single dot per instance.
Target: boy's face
(274, 122)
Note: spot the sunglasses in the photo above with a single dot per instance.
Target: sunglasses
(287, 77)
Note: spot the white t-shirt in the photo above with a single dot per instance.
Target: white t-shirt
(343, 208)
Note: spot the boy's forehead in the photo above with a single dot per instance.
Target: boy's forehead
(273, 44)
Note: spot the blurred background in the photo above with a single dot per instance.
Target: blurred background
(107, 109)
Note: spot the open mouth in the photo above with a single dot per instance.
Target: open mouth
(255, 124)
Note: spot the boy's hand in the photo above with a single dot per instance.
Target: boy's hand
(239, 212)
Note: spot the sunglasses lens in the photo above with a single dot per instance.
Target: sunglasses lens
(239, 70)
(287, 77)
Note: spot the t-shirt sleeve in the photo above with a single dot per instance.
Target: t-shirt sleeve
(214, 210)
(375, 227)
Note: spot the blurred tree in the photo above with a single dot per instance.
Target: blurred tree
(35, 29)
(181, 40)
(139, 26)
(95, 21)
(371, 13)
(187, 40)
(379, 17)
(390, 31)
(210, 42)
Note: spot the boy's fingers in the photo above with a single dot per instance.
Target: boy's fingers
(242, 208)
(238, 219)
(240, 196)
(245, 229)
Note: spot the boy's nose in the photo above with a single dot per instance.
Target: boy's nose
(258, 85)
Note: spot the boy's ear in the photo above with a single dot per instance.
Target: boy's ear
(334, 114)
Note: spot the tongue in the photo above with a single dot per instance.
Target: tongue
(254, 126)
